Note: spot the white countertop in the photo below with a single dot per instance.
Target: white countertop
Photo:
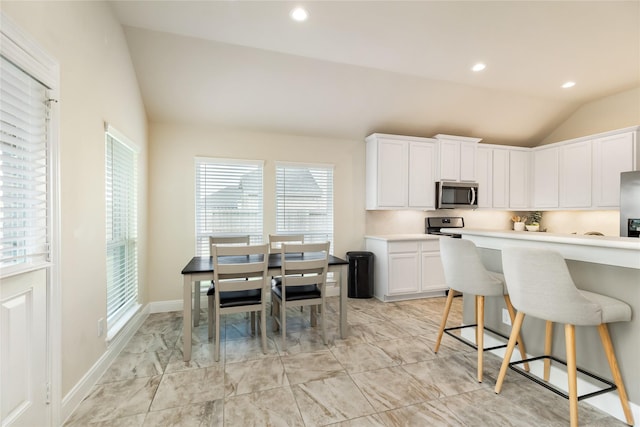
(401, 237)
(617, 251)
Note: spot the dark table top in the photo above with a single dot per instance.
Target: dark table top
(204, 264)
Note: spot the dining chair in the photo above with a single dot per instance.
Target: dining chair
(226, 239)
(275, 243)
(304, 277)
(241, 283)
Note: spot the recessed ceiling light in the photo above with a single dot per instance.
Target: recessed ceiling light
(479, 67)
(299, 14)
(567, 85)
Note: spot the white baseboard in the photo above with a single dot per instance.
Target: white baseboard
(607, 402)
(172, 305)
(82, 388)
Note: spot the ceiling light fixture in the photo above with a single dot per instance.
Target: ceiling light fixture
(299, 14)
(478, 67)
(567, 85)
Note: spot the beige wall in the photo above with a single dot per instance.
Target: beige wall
(171, 197)
(612, 112)
(97, 84)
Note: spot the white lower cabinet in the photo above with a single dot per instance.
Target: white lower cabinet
(406, 269)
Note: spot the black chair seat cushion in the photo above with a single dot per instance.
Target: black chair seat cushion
(296, 293)
(237, 298)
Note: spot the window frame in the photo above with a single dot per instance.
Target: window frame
(309, 236)
(120, 316)
(201, 249)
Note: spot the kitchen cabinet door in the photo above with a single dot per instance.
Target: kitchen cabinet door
(484, 172)
(392, 176)
(468, 161)
(500, 185)
(404, 273)
(422, 193)
(449, 160)
(545, 177)
(575, 175)
(611, 156)
(432, 272)
(518, 179)
(457, 158)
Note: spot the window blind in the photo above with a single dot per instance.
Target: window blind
(229, 197)
(121, 228)
(304, 201)
(24, 170)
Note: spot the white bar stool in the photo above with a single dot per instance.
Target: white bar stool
(464, 272)
(540, 285)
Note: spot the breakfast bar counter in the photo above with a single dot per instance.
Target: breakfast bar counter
(606, 265)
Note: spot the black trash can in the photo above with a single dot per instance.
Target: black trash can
(360, 274)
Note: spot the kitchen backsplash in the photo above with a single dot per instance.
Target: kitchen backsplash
(564, 222)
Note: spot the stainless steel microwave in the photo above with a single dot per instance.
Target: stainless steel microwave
(456, 195)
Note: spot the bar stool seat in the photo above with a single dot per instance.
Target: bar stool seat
(541, 286)
(464, 272)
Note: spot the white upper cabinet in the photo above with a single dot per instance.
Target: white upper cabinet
(611, 156)
(519, 179)
(492, 173)
(500, 185)
(457, 158)
(422, 189)
(484, 175)
(400, 172)
(575, 175)
(545, 162)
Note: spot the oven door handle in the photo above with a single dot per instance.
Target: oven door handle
(472, 196)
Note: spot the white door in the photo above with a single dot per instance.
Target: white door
(23, 350)
(484, 171)
(611, 156)
(432, 272)
(545, 178)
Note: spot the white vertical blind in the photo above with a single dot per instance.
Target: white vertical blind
(24, 170)
(122, 230)
(229, 195)
(304, 201)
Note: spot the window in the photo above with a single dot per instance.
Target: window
(122, 230)
(304, 201)
(228, 200)
(24, 171)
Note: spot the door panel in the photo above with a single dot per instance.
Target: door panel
(23, 357)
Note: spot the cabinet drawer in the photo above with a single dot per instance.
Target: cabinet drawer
(431, 246)
(395, 247)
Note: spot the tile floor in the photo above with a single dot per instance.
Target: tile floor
(384, 374)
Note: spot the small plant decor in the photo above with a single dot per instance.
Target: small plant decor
(535, 218)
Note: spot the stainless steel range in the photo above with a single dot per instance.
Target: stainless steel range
(434, 225)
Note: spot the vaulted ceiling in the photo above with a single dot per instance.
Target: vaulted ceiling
(354, 68)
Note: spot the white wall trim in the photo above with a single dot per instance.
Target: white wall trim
(82, 388)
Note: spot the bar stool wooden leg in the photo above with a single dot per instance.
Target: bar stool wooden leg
(548, 342)
(445, 315)
(512, 316)
(570, 338)
(480, 333)
(513, 338)
(615, 371)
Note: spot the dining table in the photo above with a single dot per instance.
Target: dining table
(200, 268)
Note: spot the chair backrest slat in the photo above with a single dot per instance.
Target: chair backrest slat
(304, 263)
(239, 266)
(276, 240)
